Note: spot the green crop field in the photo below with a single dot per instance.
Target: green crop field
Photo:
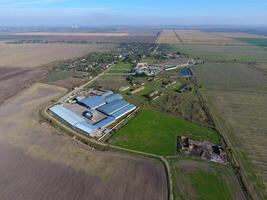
(236, 95)
(262, 42)
(223, 52)
(120, 68)
(207, 184)
(200, 180)
(155, 132)
(230, 76)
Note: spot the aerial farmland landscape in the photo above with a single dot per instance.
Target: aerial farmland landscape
(141, 101)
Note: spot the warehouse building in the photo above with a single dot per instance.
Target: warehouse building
(91, 102)
(73, 119)
(117, 108)
(112, 97)
(105, 122)
(124, 111)
(94, 113)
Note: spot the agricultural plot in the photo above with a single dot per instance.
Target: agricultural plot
(63, 78)
(237, 96)
(262, 42)
(55, 167)
(111, 82)
(238, 35)
(194, 179)
(34, 55)
(169, 37)
(155, 132)
(231, 77)
(84, 37)
(14, 79)
(71, 34)
(224, 53)
(119, 69)
(200, 37)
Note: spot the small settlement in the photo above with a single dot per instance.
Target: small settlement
(93, 114)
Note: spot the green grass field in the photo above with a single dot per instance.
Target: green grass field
(262, 42)
(230, 76)
(155, 132)
(200, 180)
(208, 184)
(120, 68)
(223, 52)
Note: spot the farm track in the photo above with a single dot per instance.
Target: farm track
(179, 38)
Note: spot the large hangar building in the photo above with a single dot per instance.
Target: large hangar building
(92, 114)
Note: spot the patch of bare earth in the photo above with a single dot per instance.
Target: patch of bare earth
(14, 79)
(39, 162)
(69, 83)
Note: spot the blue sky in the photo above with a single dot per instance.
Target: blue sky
(132, 12)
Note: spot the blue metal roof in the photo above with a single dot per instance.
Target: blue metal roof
(185, 72)
(124, 111)
(105, 122)
(86, 127)
(113, 107)
(67, 115)
(113, 97)
(107, 93)
(92, 101)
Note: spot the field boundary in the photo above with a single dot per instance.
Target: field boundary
(179, 38)
(233, 154)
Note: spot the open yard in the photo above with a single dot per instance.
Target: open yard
(195, 179)
(237, 96)
(34, 55)
(155, 132)
(43, 163)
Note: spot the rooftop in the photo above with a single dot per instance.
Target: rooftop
(92, 101)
